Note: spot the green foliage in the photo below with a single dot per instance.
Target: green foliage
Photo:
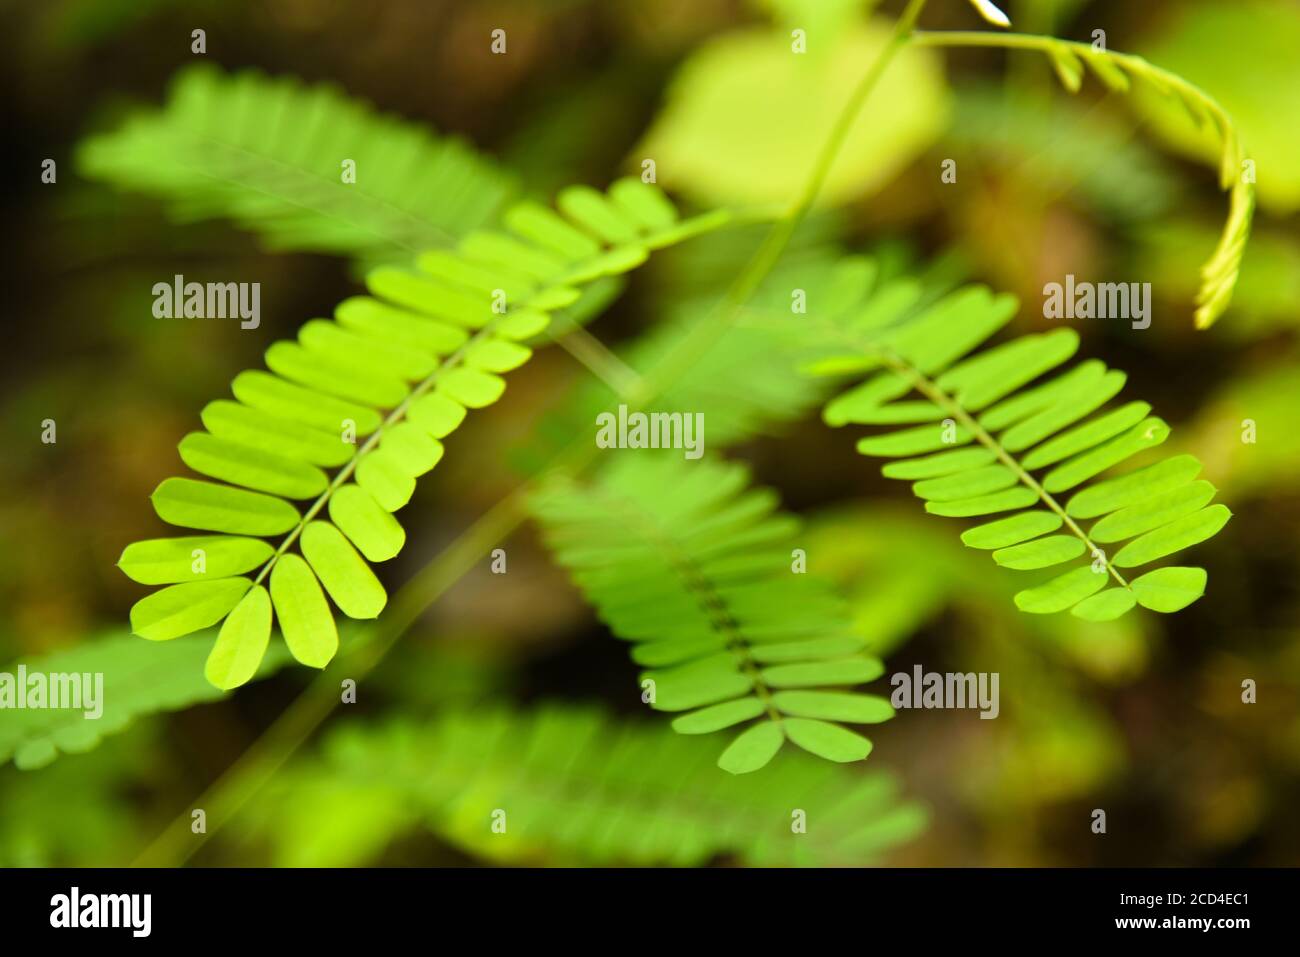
(1118, 72)
(745, 115)
(704, 580)
(578, 787)
(138, 680)
(1230, 49)
(980, 425)
(269, 154)
(370, 394)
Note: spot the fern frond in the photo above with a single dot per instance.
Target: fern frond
(697, 568)
(268, 153)
(394, 371)
(979, 427)
(577, 786)
(1117, 72)
(138, 680)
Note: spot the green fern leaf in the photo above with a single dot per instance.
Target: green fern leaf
(993, 419)
(370, 394)
(138, 680)
(579, 787)
(702, 581)
(268, 153)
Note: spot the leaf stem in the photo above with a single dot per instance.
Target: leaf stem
(954, 408)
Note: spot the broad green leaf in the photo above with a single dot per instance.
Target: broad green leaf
(963, 485)
(251, 467)
(720, 109)
(1177, 535)
(645, 205)
(1004, 501)
(270, 433)
(436, 414)
(191, 503)
(522, 324)
(471, 388)
(907, 442)
(1061, 592)
(1152, 513)
(496, 355)
(304, 615)
(343, 572)
(383, 475)
(1146, 434)
(718, 716)
(939, 464)
(499, 249)
(552, 232)
(753, 748)
(164, 561)
(674, 651)
(950, 328)
(1016, 407)
(334, 376)
(374, 531)
(997, 372)
(411, 448)
(1072, 407)
(860, 403)
(706, 681)
(834, 706)
(1134, 488)
(1010, 531)
(836, 671)
(242, 641)
(1169, 589)
(597, 215)
(261, 390)
(461, 280)
(808, 649)
(826, 740)
(1105, 605)
(180, 609)
(1041, 552)
(375, 357)
(386, 323)
(431, 297)
(1083, 437)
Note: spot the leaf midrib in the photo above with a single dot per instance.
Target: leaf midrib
(947, 403)
(707, 596)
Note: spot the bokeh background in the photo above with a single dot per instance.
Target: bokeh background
(1142, 717)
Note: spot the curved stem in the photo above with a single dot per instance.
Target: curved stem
(1044, 44)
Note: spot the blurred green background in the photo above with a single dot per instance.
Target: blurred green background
(1142, 717)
